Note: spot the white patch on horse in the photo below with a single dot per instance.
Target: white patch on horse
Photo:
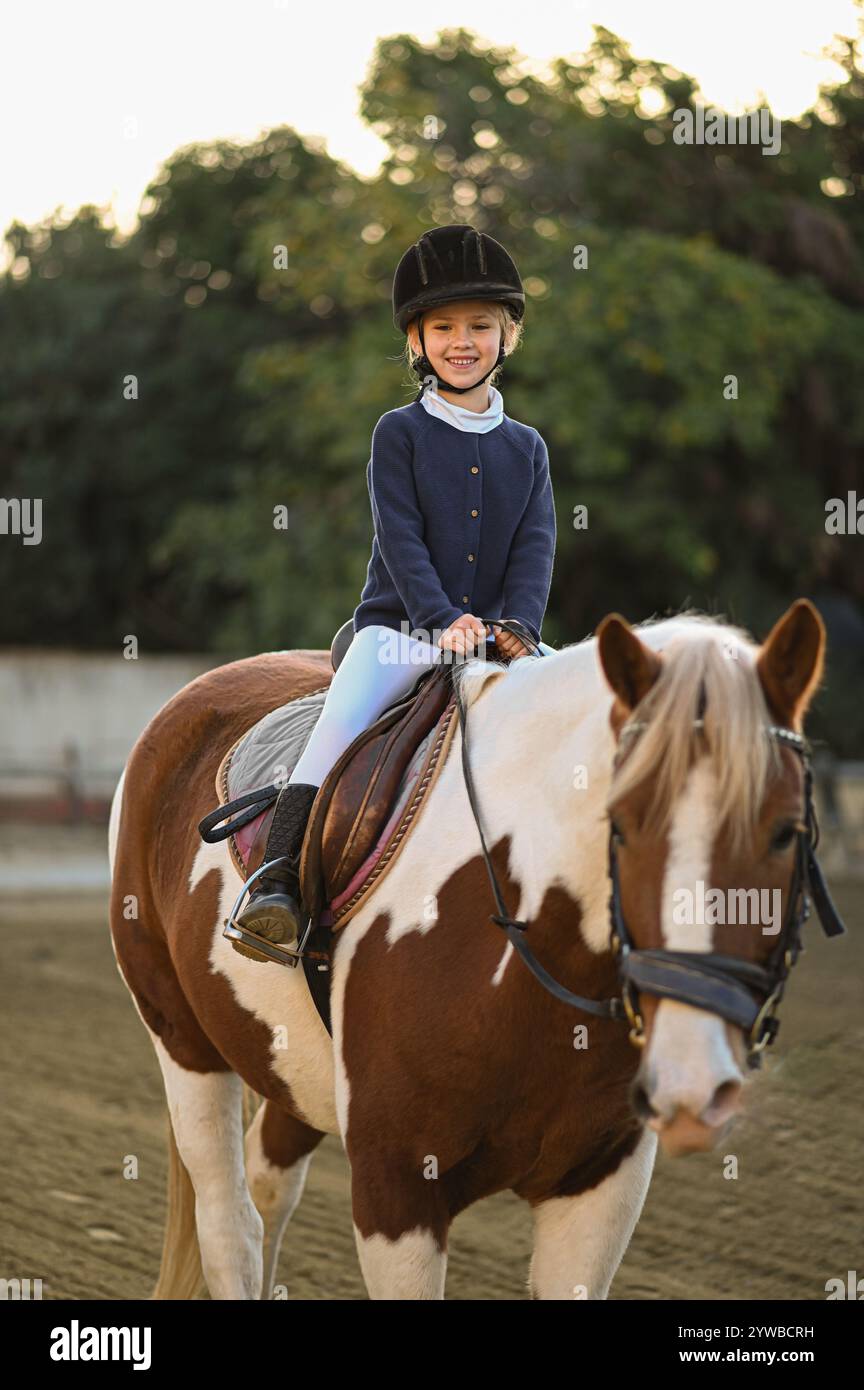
(555, 822)
(279, 997)
(114, 821)
(691, 839)
(503, 963)
(580, 1241)
(556, 830)
(552, 838)
(275, 1191)
(412, 1266)
(113, 837)
(689, 1055)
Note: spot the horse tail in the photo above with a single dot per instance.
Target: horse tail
(180, 1273)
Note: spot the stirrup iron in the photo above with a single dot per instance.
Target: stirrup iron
(290, 956)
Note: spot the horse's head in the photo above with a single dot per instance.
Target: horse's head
(708, 810)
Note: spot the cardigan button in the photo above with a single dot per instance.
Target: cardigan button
(475, 469)
(471, 557)
(464, 598)
(475, 512)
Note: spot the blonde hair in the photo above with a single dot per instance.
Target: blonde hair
(511, 336)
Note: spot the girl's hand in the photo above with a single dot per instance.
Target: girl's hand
(463, 635)
(508, 644)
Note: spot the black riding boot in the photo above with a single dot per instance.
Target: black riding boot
(275, 910)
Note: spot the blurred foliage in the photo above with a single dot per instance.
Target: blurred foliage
(259, 386)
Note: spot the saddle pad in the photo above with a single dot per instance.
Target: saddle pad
(271, 749)
(266, 753)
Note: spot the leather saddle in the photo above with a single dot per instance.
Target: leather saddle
(355, 831)
(356, 798)
(355, 802)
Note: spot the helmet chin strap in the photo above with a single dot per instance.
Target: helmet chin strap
(423, 367)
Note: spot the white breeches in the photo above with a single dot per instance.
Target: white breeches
(380, 666)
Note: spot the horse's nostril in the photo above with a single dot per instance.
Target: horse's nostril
(640, 1102)
(723, 1102)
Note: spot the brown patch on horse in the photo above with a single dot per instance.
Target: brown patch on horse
(164, 952)
(525, 1128)
(285, 1139)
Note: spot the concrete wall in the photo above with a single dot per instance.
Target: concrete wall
(68, 721)
(67, 716)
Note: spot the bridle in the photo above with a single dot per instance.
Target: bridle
(739, 991)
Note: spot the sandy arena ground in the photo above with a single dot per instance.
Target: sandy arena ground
(82, 1090)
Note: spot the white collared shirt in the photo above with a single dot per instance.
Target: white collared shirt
(469, 421)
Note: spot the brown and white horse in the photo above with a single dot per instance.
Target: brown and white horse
(452, 1074)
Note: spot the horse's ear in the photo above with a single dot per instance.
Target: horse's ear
(630, 667)
(791, 661)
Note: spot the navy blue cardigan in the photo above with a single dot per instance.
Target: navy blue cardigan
(464, 523)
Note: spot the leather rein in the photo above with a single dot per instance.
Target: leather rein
(739, 991)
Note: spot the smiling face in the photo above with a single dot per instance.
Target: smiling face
(462, 340)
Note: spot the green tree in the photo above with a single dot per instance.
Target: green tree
(696, 381)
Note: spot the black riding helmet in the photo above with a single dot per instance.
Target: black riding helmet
(447, 263)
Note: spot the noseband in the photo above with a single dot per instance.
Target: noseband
(736, 990)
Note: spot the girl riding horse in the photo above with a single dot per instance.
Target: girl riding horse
(464, 523)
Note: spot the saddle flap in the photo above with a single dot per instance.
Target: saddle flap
(356, 797)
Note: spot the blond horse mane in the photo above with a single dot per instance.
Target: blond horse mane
(720, 661)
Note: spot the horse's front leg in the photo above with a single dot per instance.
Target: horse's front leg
(400, 1225)
(580, 1241)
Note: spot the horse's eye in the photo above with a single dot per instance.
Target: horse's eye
(783, 837)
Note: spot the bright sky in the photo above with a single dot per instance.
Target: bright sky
(94, 95)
